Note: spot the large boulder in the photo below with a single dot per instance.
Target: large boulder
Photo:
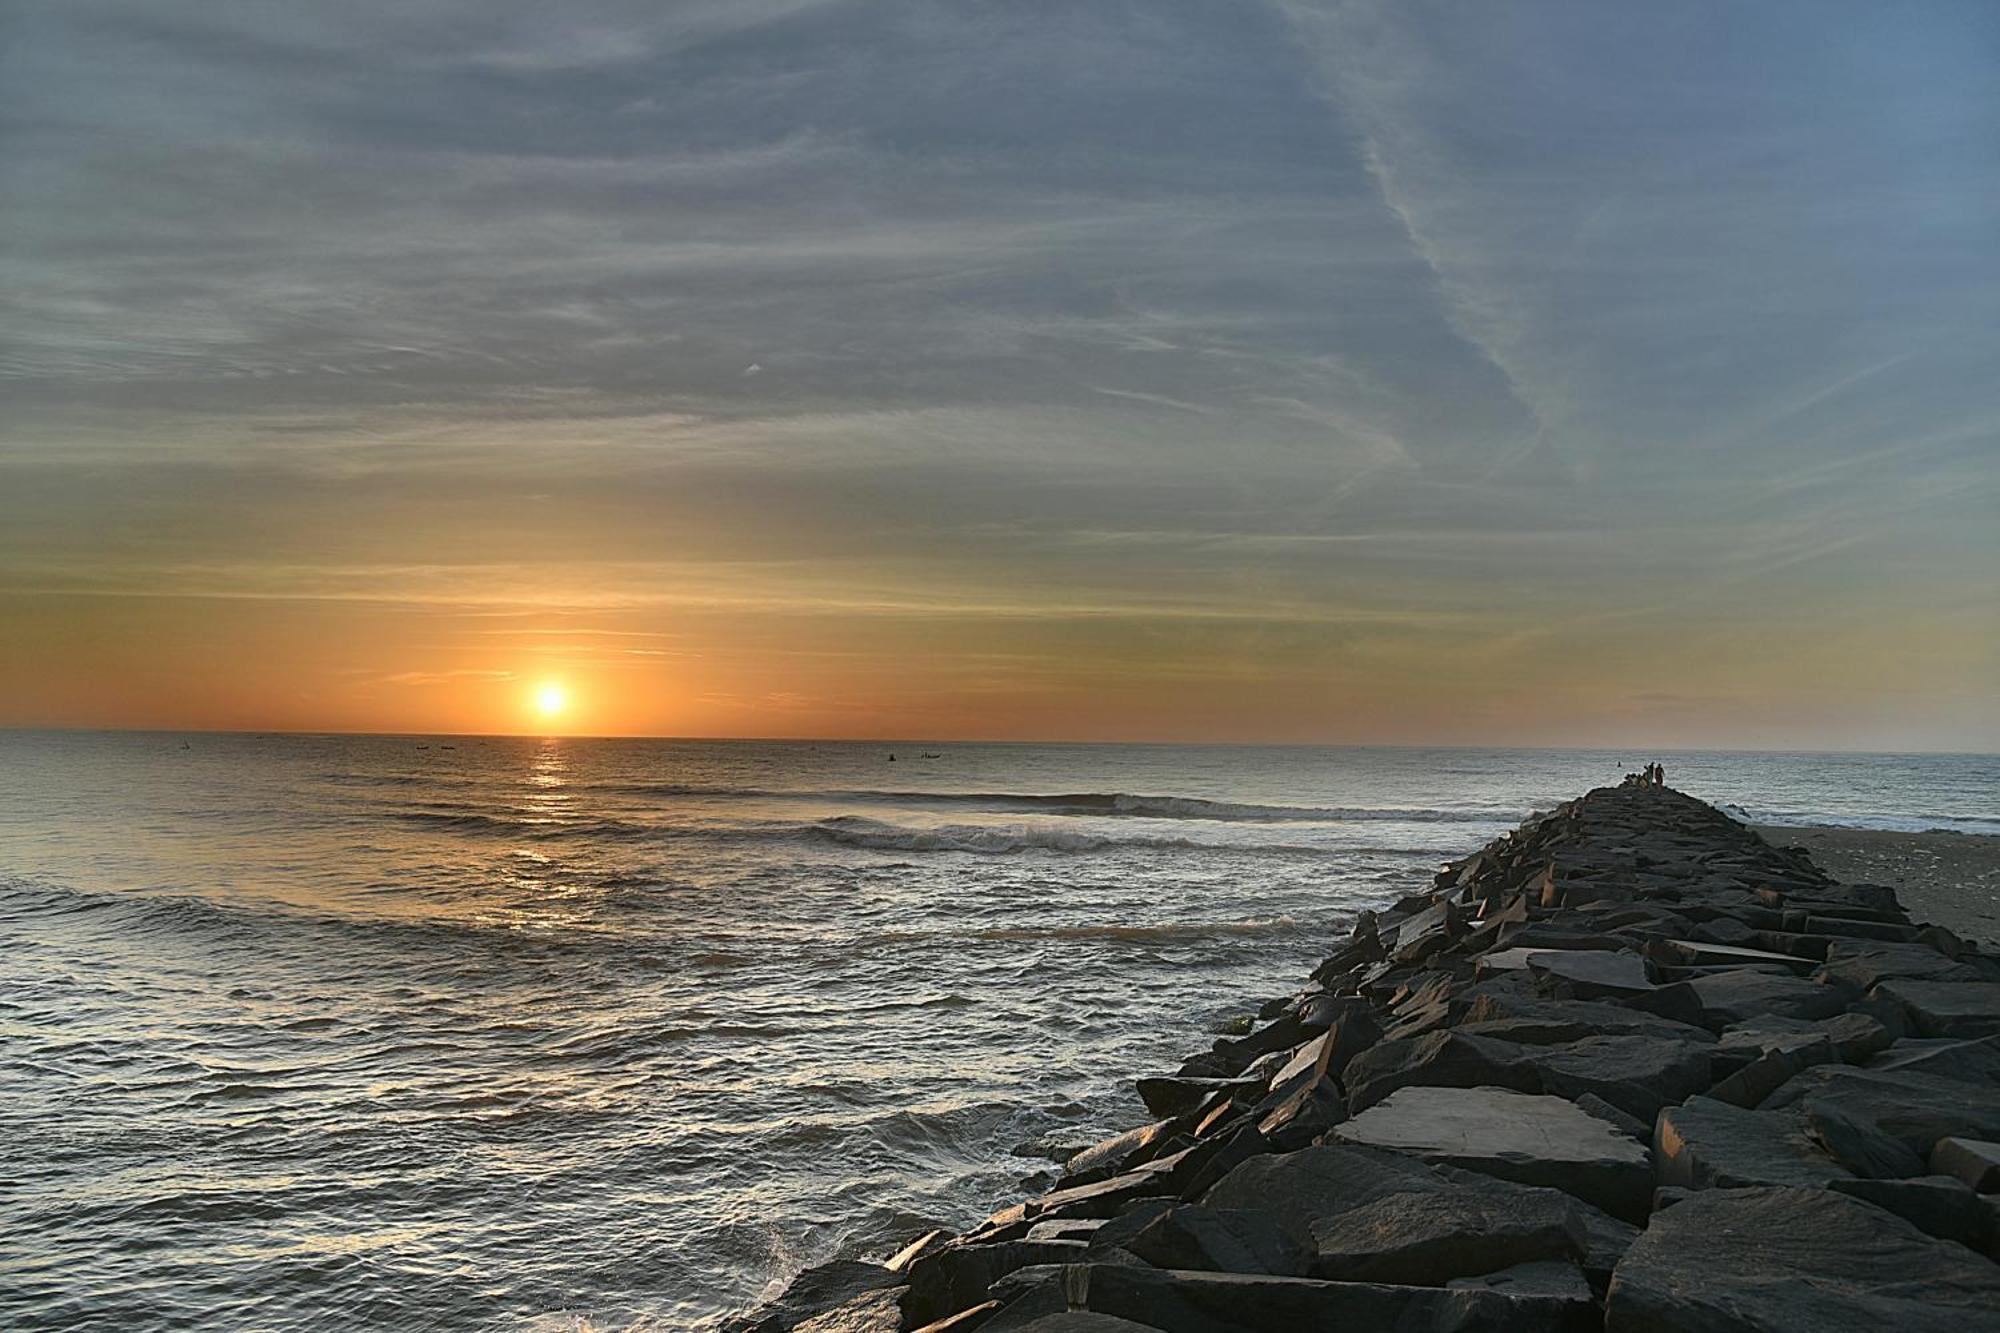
(1428, 1237)
(1533, 1140)
(1940, 1206)
(1947, 1008)
(1778, 1057)
(871, 1312)
(1439, 1059)
(1731, 997)
(1230, 1240)
(959, 1276)
(1917, 1109)
(1300, 1188)
(1638, 1075)
(1537, 1021)
(1974, 1161)
(1976, 1061)
(815, 1289)
(1777, 1260)
(1704, 1144)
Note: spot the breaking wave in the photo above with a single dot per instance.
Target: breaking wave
(1100, 804)
(1003, 839)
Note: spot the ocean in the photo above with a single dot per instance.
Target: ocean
(329, 1032)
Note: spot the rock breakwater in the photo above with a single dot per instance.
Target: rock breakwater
(1629, 1067)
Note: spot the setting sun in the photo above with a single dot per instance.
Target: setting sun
(551, 699)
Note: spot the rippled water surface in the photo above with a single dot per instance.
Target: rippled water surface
(406, 1033)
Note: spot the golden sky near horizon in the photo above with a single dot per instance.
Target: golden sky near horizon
(1367, 373)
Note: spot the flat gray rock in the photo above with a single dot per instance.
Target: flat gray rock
(1536, 1021)
(1440, 1059)
(1779, 1057)
(1231, 1240)
(1796, 1261)
(1916, 1108)
(1708, 1144)
(1976, 1061)
(1300, 1188)
(1534, 1140)
(1940, 1206)
(1638, 1075)
(1427, 1238)
(1947, 1008)
(1610, 969)
(1865, 963)
(1729, 998)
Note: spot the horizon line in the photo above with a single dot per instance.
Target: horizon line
(20, 728)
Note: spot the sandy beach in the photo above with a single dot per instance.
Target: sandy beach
(1952, 879)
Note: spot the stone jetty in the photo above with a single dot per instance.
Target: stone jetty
(1629, 1067)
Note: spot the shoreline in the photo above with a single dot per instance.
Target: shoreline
(1549, 1092)
(1941, 876)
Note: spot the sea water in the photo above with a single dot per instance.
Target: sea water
(459, 1033)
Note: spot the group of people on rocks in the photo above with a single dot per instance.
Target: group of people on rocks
(1652, 775)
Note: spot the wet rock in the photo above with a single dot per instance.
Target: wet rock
(1533, 1140)
(1169, 1096)
(900, 1261)
(1974, 1161)
(1940, 1206)
(872, 1312)
(1707, 1144)
(1234, 1240)
(820, 1288)
(1947, 1008)
(1120, 1151)
(1427, 1237)
(959, 1276)
(1775, 1260)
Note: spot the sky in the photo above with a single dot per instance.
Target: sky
(1394, 372)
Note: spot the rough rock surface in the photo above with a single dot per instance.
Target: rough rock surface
(1629, 1008)
(1534, 1140)
(1782, 1259)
